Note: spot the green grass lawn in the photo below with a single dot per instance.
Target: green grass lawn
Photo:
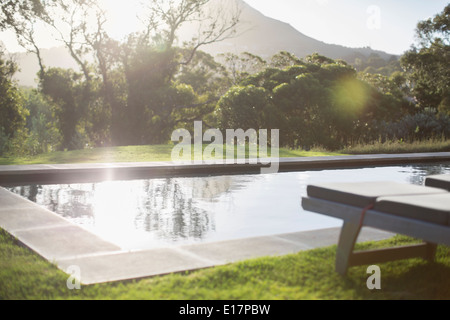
(306, 275)
(126, 154)
(390, 147)
(163, 153)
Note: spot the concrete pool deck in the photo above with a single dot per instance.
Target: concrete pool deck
(66, 244)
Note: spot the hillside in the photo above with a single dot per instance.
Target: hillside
(28, 64)
(257, 34)
(265, 36)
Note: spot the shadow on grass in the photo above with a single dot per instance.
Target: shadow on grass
(411, 279)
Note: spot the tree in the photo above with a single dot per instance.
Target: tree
(285, 59)
(205, 75)
(22, 16)
(12, 11)
(43, 131)
(241, 66)
(64, 89)
(153, 65)
(246, 108)
(394, 87)
(12, 113)
(428, 64)
(316, 58)
(215, 21)
(301, 102)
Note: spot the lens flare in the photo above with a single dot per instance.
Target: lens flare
(350, 97)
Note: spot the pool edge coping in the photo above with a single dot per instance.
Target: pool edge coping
(93, 172)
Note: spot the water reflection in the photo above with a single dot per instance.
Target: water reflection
(150, 213)
(168, 210)
(420, 172)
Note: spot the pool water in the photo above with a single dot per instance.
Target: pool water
(144, 214)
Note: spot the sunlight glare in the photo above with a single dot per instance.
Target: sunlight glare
(122, 16)
(112, 203)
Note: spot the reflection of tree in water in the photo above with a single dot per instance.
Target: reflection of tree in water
(69, 201)
(421, 172)
(29, 192)
(170, 208)
(77, 204)
(166, 207)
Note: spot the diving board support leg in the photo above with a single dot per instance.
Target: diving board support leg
(347, 239)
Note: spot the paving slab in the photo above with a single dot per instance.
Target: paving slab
(133, 265)
(61, 242)
(243, 249)
(10, 200)
(18, 213)
(23, 218)
(327, 237)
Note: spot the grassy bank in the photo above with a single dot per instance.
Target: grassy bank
(302, 276)
(392, 147)
(126, 154)
(163, 153)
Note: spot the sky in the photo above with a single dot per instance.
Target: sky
(387, 25)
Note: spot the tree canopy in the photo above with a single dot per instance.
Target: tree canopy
(321, 102)
(13, 11)
(12, 112)
(428, 63)
(139, 89)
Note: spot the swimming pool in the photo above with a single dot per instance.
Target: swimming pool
(145, 214)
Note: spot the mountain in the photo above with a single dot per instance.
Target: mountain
(57, 57)
(256, 32)
(265, 36)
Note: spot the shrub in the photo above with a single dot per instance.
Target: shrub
(4, 142)
(425, 125)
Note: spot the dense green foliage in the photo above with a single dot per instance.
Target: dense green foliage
(374, 64)
(428, 64)
(137, 91)
(12, 112)
(319, 102)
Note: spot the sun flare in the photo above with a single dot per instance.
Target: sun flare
(122, 16)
